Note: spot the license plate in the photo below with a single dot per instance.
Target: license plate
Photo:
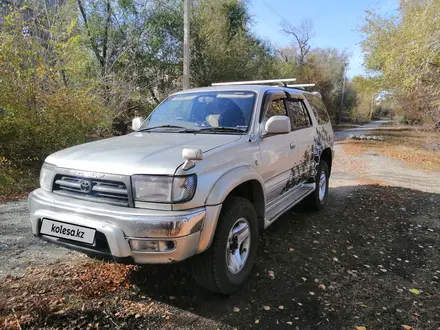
(68, 231)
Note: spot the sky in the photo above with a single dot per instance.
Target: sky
(335, 22)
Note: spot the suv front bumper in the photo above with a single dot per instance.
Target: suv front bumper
(115, 225)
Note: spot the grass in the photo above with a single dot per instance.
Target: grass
(16, 184)
(403, 143)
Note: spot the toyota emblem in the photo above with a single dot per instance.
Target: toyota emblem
(85, 186)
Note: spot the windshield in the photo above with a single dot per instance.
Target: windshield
(204, 111)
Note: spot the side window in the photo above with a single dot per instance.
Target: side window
(275, 108)
(318, 108)
(298, 114)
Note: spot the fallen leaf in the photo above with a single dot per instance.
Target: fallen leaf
(415, 291)
(406, 327)
(266, 308)
(236, 309)
(361, 328)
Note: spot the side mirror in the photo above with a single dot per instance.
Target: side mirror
(278, 125)
(136, 123)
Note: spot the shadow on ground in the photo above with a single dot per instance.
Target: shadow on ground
(352, 264)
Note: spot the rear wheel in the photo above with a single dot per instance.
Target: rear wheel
(318, 198)
(226, 265)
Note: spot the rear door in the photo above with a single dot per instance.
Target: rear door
(325, 129)
(305, 132)
(278, 152)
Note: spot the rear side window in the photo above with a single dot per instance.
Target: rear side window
(298, 114)
(318, 108)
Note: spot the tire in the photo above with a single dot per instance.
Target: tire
(210, 268)
(316, 201)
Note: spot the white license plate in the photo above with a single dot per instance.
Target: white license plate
(68, 231)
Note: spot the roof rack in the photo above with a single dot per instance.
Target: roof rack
(301, 85)
(255, 82)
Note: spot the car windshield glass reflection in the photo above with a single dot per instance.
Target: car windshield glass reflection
(208, 112)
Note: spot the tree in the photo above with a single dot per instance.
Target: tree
(402, 52)
(302, 35)
(368, 89)
(46, 104)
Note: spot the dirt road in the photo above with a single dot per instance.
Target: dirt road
(352, 264)
(364, 129)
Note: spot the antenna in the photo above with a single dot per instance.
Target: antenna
(255, 82)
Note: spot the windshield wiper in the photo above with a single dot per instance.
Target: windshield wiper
(223, 129)
(161, 126)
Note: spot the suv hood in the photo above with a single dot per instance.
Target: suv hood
(137, 153)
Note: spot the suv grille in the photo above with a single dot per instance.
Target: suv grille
(96, 190)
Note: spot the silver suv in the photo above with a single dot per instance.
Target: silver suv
(201, 177)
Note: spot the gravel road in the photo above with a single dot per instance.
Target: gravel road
(364, 129)
(18, 247)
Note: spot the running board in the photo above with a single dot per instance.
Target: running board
(286, 201)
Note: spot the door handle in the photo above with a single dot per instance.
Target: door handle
(292, 145)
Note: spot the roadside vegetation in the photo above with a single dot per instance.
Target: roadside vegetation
(403, 59)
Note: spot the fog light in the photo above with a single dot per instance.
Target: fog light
(151, 246)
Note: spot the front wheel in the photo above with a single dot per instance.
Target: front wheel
(226, 265)
(317, 200)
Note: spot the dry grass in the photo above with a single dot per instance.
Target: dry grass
(403, 143)
(57, 289)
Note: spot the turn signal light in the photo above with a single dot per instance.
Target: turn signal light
(142, 245)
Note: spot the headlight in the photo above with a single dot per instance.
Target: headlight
(46, 175)
(164, 189)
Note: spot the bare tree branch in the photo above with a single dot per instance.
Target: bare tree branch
(105, 43)
(302, 35)
(92, 41)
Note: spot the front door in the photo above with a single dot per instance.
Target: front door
(279, 152)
